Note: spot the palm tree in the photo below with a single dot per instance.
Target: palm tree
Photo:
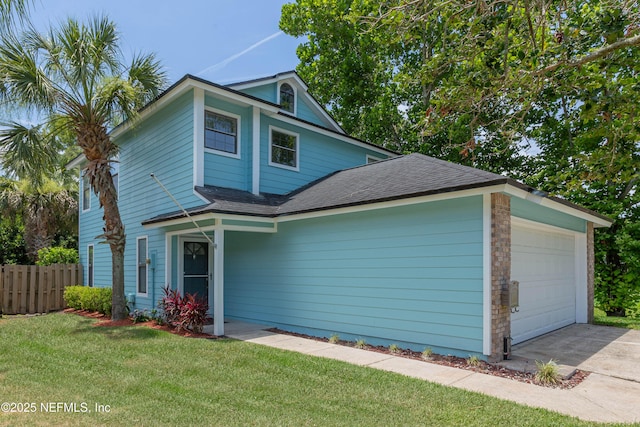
(46, 209)
(75, 78)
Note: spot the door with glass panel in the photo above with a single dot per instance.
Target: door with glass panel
(196, 269)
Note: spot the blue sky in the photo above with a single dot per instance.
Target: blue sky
(220, 40)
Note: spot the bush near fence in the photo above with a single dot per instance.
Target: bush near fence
(30, 289)
(91, 299)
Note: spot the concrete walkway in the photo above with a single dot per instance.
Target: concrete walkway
(600, 397)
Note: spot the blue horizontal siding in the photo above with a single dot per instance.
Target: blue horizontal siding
(410, 275)
(224, 171)
(319, 156)
(266, 92)
(305, 112)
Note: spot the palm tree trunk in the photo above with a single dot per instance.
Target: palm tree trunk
(98, 149)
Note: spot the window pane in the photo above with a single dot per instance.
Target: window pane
(220, 132)
(287, 98)
(283, 148)
(90, 268)
(142, 266)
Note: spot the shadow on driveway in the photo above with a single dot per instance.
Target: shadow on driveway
(605, 350)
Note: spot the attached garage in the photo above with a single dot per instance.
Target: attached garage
(544, 261)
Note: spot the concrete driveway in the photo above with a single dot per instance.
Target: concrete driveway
(614, 352)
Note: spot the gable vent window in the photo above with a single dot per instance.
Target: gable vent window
(220, 132)
(287, 98)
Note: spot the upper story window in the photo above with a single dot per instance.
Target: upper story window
(86, 193)
(220, 132)
(283, 149)
(287, 98)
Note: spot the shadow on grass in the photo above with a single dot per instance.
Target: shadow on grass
(118, 332)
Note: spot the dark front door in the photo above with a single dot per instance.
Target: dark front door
(196, 269)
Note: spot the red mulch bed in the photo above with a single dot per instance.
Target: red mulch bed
(106, 322)
(453, 361)
(460, 363)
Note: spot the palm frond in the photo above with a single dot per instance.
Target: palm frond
(147, 75)
(12, 11)
(24, 82)
(28, 152)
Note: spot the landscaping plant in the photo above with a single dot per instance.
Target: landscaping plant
(183, 312)
(547, 372)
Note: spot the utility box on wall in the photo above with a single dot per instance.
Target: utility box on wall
(511, 295)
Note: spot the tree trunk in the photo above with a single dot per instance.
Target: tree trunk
(98, 149)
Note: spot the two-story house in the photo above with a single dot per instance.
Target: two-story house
(292, 223)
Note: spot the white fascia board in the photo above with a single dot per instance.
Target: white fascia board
(79, 161)
(487, 303)
(557, 206)
(393, 203)
(218, 218)
(326, 132)
(185, 86)
(290, 75)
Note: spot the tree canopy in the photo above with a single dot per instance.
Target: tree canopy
(546, 91)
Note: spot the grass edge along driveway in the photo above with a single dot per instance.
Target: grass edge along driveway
(64, 371)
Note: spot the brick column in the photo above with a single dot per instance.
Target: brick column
(500, 271)
(591, 261)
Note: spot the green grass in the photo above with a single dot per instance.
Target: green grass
(150, 377)
(601, 318)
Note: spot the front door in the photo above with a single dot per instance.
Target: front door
(196, 269)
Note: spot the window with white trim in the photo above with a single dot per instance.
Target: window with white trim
(86, 193)
(287, 98)
(90, 266)
(283, 149)
(220, 132)
(142, 276)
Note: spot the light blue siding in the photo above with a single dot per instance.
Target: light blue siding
(304, 112)
(90, 225)
(229, 172)
(161, 144)
(409, 275)
(528, 210)
(319, 156)
(267, 92)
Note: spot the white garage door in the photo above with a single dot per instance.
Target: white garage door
(544, 263)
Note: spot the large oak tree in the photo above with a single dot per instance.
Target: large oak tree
(544, 90)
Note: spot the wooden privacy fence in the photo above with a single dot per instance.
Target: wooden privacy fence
(28, 289)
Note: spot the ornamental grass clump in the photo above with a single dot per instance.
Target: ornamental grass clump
(547, 372)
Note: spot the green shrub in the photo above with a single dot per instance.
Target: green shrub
(72, 296)
(57, 255)
(90, 299)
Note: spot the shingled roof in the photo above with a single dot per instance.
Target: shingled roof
(396, 178)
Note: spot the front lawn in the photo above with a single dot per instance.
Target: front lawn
(68, 372)
(601, 318)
